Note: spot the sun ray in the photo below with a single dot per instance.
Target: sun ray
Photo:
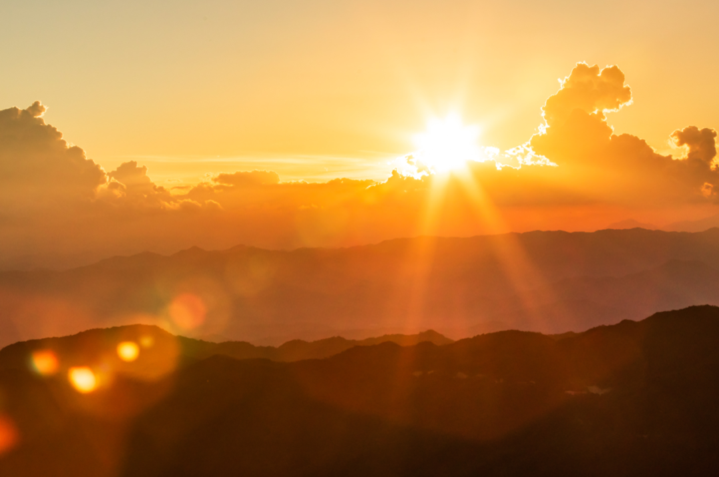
(515, 262)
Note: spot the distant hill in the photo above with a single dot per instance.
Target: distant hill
(584, 302)
(631, 224)
(636, 398)
(550, 282)
(94, 346)
(694, 225)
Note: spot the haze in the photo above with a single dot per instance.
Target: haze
(291, 238)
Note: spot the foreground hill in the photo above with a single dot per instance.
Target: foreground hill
(92, 346)
(551, 282)
(636, 398)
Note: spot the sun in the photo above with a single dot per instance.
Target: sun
(447, 144)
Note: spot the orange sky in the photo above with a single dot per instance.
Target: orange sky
(168, 83)
(174, 104)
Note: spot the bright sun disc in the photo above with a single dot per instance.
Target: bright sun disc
(447, 144)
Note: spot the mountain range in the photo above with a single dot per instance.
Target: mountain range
(635, 398)
(550, 282)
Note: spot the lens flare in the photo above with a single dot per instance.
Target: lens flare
(146, 341)
(8, 434)
(187, 311)
(128, 351)
(82, 379)
(44, 362)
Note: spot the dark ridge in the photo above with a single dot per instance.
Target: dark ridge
(97, 342)
(635, 398)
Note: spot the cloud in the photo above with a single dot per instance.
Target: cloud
(36, 109)
(620, 168)
(700, 143)
(139, 190)
(575, 174)
(248, 179)
(130, 174)
(37, 166)
(587, 89)
(575, 130)
(39, 169)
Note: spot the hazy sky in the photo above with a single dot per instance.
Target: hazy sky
(181, 123)
(175, 84)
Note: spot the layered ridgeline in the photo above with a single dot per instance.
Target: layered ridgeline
(636, 398)
(93, 345)
(551, 282)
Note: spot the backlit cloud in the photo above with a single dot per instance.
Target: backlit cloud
(621, 168)
(588, 89)
(248, 178)
(37, 166)
(575, 174)
(700, 143)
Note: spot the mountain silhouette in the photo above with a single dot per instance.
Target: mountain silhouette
(694, 225)
(94, 347)
(635, 398)
(550, 282)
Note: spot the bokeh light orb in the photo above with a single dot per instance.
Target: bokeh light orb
(128, 351)
(8, 434)
(146, 341)
(44, 362)
(82, 379)
(187, 311)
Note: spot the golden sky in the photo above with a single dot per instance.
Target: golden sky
(173, 105)
(169, 83)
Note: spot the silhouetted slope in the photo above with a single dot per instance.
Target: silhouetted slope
(572, 303)
(694, 225)
(97, 346)
(495, 404)
(296, 350)
(636, 398)
(545, 281)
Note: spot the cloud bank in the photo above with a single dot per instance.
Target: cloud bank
(620, 168)
(55, 202)
(37, 166)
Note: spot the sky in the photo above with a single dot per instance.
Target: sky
(174, 82)
(173, 105)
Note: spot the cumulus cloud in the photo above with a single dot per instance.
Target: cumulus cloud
(621, 168)
(575, 174)
(575, 128)
(43, 178)
(36, 109)
(37, 164)
(700, 143)
(132, 175)
(587, 89)
(139, 190)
